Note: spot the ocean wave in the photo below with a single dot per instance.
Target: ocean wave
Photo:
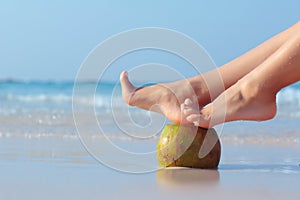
(84, 100)
(289, 97)
(288, 103)
(58, 98)
(47, 102)
(263, 139)
(69, 133)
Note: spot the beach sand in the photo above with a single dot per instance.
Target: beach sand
(49, 168)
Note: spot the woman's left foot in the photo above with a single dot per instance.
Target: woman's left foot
(161, 98)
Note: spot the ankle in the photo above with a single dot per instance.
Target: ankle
(252, 89)
(200, 88)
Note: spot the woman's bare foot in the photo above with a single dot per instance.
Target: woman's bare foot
(246, 100)
(275, 65)
(163, 98)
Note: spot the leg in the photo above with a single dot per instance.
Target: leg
(166, 98)
(254, 96)
(239, 67)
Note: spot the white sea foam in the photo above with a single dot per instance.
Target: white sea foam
(44, 111)
(289, 97)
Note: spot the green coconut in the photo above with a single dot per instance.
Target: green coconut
(188, 146)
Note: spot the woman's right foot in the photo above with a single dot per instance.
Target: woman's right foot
(246, 100)
(163, 98)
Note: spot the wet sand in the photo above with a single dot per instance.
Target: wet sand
(62, 169)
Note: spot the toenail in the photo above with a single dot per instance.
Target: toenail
(182, 106)
(189, 118)
(196, 123)
(184, 111)
(188, 101)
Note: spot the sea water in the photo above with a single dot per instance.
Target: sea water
(38, 109)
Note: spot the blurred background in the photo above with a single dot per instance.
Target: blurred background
(48, 40)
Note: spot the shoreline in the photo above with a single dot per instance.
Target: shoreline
(63, 170)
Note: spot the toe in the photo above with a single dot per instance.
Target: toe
(193, 118)
(188, 102)
(189, 111)
(200, 119)
(125, 83)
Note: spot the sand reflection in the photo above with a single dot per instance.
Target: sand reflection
(173, 177)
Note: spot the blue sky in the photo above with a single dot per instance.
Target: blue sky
(48, 40)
